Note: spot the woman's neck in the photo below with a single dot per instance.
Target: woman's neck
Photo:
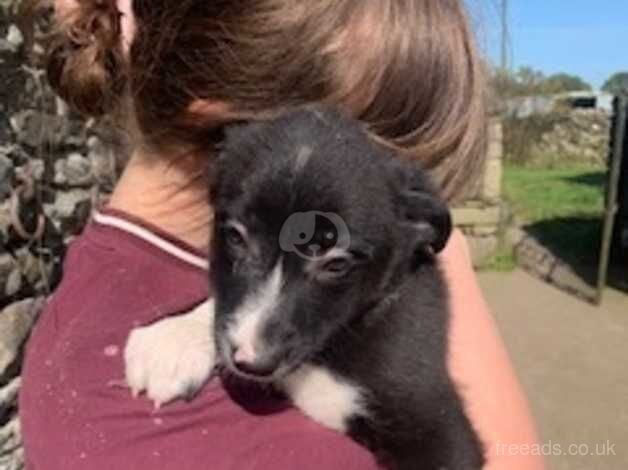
(168, 193)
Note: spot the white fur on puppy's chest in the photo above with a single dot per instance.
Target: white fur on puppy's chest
(324, 397)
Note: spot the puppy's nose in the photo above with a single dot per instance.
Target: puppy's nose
(246, 361)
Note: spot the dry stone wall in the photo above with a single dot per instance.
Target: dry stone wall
(481, 216)
(558, 138)
(53, 167)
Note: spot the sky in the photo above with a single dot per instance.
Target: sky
(583, 37)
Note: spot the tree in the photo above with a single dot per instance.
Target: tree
(564, 82)
(525, 82)
(617, 84)
(529, 82)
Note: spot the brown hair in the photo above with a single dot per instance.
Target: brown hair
(407, 68)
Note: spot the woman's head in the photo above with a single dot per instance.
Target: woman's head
(407, 68)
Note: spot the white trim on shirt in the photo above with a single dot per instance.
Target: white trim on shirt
(152, 238)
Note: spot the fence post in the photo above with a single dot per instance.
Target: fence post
(616, 157)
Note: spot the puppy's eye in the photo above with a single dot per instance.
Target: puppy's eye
(337, 267)
(234, 238)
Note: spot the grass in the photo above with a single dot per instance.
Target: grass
(544, 194)
(561, 207)
(502, 261)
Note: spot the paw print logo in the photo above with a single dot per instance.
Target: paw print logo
(311, 234)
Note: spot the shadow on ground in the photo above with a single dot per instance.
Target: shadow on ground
(569, 253)
(594, 178)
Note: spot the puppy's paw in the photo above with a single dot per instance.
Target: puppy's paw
(172, 358)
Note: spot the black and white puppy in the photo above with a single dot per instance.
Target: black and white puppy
(323, 264)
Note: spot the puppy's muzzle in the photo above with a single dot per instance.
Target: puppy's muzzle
(252, 364)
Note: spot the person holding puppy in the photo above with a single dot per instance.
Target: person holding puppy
(172, 74)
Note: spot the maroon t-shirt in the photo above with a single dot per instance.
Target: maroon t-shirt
(120, 274)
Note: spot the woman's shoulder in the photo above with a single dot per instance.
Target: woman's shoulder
(108, 272)
(108, 288)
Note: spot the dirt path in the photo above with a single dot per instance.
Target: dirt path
(572, 358)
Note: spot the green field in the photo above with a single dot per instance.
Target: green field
(543, 194)
(561, 207)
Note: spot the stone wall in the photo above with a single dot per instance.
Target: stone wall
(53, 168)
(563, 136)
(480, 217)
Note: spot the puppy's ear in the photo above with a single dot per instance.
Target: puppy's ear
(236, 150)
(420, 210)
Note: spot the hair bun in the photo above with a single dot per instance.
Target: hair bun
(85, 61)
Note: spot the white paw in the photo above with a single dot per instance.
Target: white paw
(172, 358)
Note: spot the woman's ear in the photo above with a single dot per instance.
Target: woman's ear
(420, 209)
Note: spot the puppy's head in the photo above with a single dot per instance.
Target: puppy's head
(314, 225)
